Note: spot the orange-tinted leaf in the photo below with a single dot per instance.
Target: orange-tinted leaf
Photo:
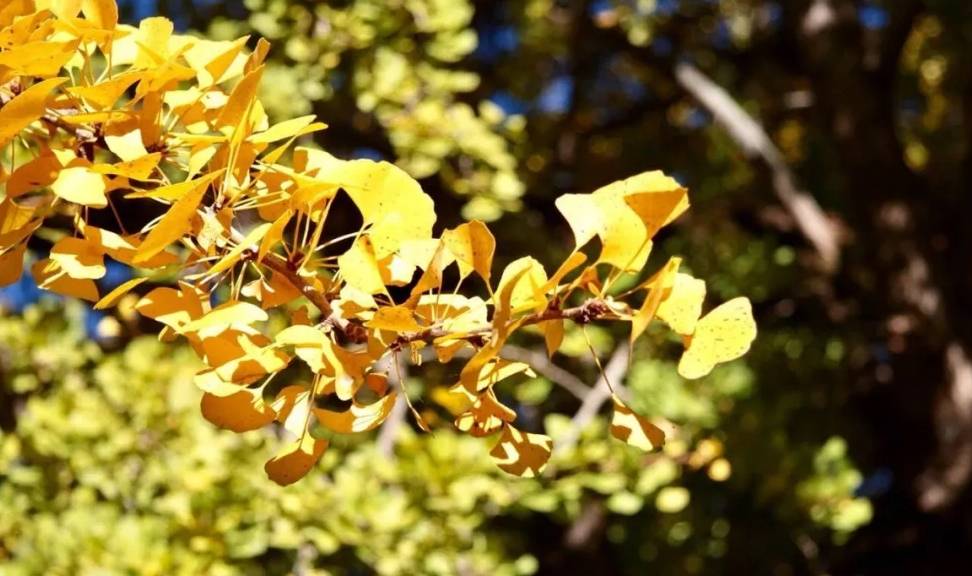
(49, 276)
(486, 416)
(79, 258)
(394, 318)
(115, 295)
(12, 264)
(238, 412)
(359, 418)
(521, 453)
(176, 222)
(295, 461)
(172, 307)
(553, 335)
(635, 430)
(38, 173)
(657, 199)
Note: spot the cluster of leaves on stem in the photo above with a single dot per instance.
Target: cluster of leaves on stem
(97, 115)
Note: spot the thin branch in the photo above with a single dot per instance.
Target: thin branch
(614, 372)
(542, 364)
(756, 143)
(388, 436)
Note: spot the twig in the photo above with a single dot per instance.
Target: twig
(388, 435)
(599, 393)
(755, 143)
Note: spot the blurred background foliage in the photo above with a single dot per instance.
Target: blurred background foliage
(842, 444)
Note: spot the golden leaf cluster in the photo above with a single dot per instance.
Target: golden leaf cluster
(96, 116)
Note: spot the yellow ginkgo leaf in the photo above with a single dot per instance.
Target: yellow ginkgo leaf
(238, 355)
(657, 199)
(240, 100)
(239, 412)
(138, 169)
(391, 202)
(274, 234)
(633, 429)
(215, 61)
(473, 246)
(79, 258)
(624, 243)
(176, 222)
(310, 344)
(358, 418)
(296, 460)
(359, 267)
(38, 58)
(12, 264)
(394, 318)
(234, 255)
(49, 276)
(127, 146)
(106, 94)
(124, 248)
(658, 286)
(521, 453)
(173, 307)
(232, 313)
(528, 290)
(179, 190)
(683, 305)
(723, 334)
(102, 13)
(287, 129)
(486, 416)
(112, 298)
(33, 175)
(81, 185)
(271, 292)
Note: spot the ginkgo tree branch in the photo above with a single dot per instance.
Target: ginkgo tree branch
(232, 149)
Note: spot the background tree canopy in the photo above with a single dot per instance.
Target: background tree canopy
(826, 144)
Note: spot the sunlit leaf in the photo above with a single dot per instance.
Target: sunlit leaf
(473, 246)
(82, 186)
(659, 286)
(521, 453)
(358, 418)
(683, 305)
(723, 334)
(112, 298)
(633, 429)
(239, 412)
(49, 276)
(295, 460)
(395, 318)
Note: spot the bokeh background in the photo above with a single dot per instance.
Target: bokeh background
(826, 144)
